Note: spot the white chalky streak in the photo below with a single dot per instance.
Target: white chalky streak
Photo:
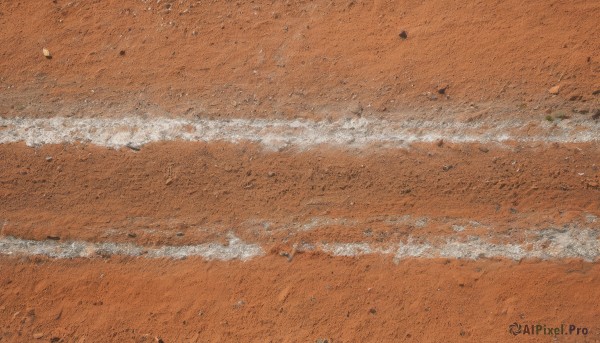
(276, 134)
(550, 244)
(236, 249)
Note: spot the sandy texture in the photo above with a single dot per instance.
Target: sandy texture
(420, 224)
(296, 59)
(82, 191)
(345, 171)
(312, 297)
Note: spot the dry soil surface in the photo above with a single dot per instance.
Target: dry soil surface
(299, 171)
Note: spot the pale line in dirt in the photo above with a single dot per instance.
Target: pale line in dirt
(549, 244)
(236, 249)
(276, 134)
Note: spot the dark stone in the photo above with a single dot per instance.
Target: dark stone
(575, 98)
(133, 147)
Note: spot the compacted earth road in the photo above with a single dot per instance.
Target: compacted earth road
(253, 171)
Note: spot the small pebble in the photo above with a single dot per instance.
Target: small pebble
(133, 146)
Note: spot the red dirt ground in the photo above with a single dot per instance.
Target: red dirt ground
(291, 59)
(271, 300)
(86, 190)
(295, 58)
